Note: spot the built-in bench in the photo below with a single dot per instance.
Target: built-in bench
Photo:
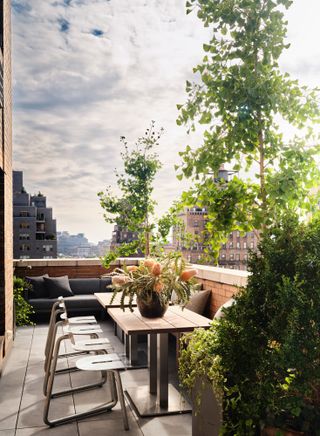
(78, 293)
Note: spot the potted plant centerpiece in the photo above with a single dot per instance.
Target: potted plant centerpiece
(153, 283)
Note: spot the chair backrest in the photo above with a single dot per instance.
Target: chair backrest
(220, 312)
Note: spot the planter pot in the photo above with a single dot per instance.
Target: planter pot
(153, 308)
(207, 417)
(273, 431)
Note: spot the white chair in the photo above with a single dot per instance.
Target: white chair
(92, 344)
(107, 364)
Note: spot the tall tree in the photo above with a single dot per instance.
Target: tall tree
(241, 97)
(133, 210)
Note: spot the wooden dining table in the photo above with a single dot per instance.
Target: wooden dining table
(159, 397)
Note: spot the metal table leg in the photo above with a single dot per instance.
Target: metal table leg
(159, 398)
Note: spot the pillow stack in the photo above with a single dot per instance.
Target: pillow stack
(50, 287)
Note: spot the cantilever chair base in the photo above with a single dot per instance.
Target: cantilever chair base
(97, 411)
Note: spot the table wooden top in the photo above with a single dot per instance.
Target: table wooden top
(105, 297)
(175, 319)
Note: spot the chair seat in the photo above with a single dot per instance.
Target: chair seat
(102, 362)
(79, 319)
(92, 345)
(82, 329)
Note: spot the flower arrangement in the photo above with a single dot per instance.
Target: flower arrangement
(158, 278)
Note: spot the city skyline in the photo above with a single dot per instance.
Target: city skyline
(87, 72)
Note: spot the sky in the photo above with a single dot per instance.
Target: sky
(86, 72)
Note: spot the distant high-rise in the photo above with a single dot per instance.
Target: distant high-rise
(34, 229)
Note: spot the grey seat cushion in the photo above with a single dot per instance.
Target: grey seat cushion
(84, 286)
(83, 302)
(105, 284)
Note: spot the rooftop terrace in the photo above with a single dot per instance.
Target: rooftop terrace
(22, 400)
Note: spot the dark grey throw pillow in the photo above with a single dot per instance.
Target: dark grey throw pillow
(198, 302)
(38, 287)
(58, 286)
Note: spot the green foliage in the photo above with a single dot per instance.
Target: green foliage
(22, 307)
(133, 211)
(240, 98)
(264, 354)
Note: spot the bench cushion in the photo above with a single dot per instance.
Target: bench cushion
(39, 289)
(84, 286)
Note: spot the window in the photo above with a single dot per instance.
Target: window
(47, 257)
(231, 256)
(245, 257)
(24, 213)
(24, 257)
(222, 256)
(237, 256)
(24, 236)
(24, 226)
(238, 244)
(231, 245)
(238, 234)
(47, 248)
(195, 223)
(252, 244)
(24, 247)
(244, 245)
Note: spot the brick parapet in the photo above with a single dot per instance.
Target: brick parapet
(223, 283)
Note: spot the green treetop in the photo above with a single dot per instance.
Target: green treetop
(133, 210)
(240, 97)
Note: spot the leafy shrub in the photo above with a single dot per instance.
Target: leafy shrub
(22, 307)
(264, 354)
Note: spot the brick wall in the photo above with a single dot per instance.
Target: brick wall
(6, 275)
(223, 284)
(74, 268)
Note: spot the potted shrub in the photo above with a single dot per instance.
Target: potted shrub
(262, 357)
(153, 282)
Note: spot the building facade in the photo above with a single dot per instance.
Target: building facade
(79, 246)
(190, 239)
(6, 264)
(34, 229)
(121, 236)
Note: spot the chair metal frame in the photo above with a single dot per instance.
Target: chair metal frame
(115, 388)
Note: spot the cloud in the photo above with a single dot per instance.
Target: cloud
(97, 32)
(86, 72)
(64, 25)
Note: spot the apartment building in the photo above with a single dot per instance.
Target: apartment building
(34, 229)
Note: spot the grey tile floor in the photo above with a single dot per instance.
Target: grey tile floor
(21, 398)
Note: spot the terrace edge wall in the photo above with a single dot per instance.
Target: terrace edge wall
(223, 283)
